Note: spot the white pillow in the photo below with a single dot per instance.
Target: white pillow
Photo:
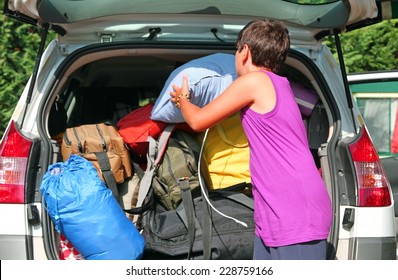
(207, 77)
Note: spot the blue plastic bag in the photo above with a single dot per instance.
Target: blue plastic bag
(87, 213)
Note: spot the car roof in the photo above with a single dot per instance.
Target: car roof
(372, 76)
(374, 82)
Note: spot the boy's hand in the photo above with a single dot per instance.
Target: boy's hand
(180, 93)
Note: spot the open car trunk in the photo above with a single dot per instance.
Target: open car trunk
(106, 83)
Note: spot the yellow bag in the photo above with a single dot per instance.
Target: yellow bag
(226, 154)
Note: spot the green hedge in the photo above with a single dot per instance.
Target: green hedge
(18, 48)
(371, 48)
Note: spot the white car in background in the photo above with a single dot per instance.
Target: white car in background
(108, 52)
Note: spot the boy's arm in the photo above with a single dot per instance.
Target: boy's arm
(235, 97)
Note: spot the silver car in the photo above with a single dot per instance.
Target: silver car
(118, 54)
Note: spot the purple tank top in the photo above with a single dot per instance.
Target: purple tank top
(291, 200)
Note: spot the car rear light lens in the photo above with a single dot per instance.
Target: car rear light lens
(14, 151)
(374, 189)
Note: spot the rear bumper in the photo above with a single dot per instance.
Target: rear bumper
(372, 248)
(13, 247)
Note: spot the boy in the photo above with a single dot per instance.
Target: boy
(292, 212)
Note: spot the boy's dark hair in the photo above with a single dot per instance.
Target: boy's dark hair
(268, 41)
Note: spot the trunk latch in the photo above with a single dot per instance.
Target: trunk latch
(106, 38)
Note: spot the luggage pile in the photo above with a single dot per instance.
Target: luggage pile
(186, 217)
(176, 208)
(179, 194)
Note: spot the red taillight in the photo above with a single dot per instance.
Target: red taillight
(373, 186)
(14, 152)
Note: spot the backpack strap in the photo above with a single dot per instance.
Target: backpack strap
(186, 211)
(107, 174)
(207, 229)
(145, 207)
(137, 168)
(155, 152)
(188, 215)
(237, 197)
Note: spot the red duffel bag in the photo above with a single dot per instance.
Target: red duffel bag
(135, 128)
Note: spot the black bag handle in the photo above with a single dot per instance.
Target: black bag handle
(107, 173)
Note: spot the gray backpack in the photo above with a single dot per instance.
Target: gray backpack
(179, 161)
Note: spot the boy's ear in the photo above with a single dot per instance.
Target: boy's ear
(245, 53)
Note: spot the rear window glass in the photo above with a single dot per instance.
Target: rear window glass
(380, 115)
(378, 103)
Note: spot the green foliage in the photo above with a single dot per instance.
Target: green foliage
(17, 58)
(370, 48)
(19, 44)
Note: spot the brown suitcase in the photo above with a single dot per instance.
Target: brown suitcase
(102, 145)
